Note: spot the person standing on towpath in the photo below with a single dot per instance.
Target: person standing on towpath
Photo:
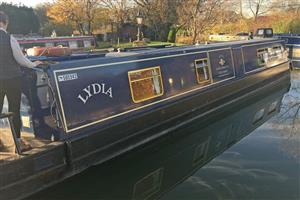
(11, 58)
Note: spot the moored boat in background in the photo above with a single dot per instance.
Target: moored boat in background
(74, 42)
(293, 43)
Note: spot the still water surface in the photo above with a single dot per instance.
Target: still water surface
(263, 164)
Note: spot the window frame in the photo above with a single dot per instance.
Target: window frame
(203, 83)
(141, 70)
(282, 51)
(259, 115)
(273, 107)
(279, 47)
(200, 152)
(265, 50)
(155, 187)
(295, 52)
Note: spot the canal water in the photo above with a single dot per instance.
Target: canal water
(215, 162)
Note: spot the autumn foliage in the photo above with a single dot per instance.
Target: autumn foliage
(188, 20)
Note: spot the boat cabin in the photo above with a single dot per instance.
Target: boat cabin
(77, 97)
(94, 93)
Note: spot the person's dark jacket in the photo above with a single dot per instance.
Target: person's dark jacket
(9, 68)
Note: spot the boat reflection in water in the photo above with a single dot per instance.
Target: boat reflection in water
(153, 170)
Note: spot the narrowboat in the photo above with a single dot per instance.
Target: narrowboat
(74, 43)
(293, 44)
(83, 112)
(260, 33)
(153, 170)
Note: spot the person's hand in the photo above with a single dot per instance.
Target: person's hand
(37, 62)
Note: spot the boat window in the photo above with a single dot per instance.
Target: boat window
(278, 51)
(87, 43)
(80, 43)
(73, 44)
(200, 153)
(275, 52)
(260, 32)
(49, 44)
(39, 44)
(202, 71)
(258, 115)
(145, 84)
(295, 52)
(273, 106)
(269, 31)
(148, 185)
(262, 56)
(269, 55)
(93, 42)
(61, 43)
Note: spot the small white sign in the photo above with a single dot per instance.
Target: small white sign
(67, 77)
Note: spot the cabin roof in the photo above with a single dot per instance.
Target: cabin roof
(289, 36)
(144, 54)
(200, 47)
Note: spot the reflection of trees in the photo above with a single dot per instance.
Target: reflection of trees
(288, 120)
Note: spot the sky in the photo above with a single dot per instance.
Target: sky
(29, 3)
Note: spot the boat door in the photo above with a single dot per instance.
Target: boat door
(238, 60)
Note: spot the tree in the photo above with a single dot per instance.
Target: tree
(159, 15)
(41, 12)
(80, 13)
(258, 8)
(199, 16)
(90, 9)
(22, 19)
(47, 25)
(287, 5)
(286, 16)
(118, 12)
